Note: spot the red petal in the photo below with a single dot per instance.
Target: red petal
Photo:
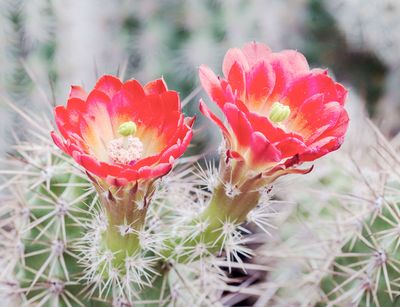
(255, 53)
(109, 85)
(340, 128)
(212, 85)
(287, 64)
(239, 124)
(310, 84)
(321, 148)
(134, 88)
(290, 146)
(93, 166)
(58, 141)
(170, 101)
(236, 80)
(155, 172)
(262, 151)
(272, 133)
(260, 82)
(96, 127)
(233, 56)
(156, 87)
(127, 104)
(62, 121)
(341, 93)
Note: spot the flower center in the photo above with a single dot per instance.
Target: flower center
(127, 148)
(279, 112)
(127, 128)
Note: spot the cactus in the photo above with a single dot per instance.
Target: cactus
(112, 223)
(366, 270)
(339, 246)
(53, 224)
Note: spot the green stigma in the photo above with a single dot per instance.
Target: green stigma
(127, 129)
(279, 112)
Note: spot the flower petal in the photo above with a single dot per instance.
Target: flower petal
(310, 84)
(207, 112)
(77, 92)
(233, 56)
(240, 125)
(212, 85)
(260, 82)
(262, 152)
(156, 87)
(109, 85)
(256, 53)
(236, 80)
(287, 64)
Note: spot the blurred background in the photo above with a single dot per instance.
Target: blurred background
(47, 45)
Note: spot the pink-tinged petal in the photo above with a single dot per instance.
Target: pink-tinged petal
(207, 113)
(96, 128)
(109, 85)
(262, 152)
(176, 148)
(75, 108)
(212, 85)
(239, 124)
(59, 143)
(62, 121)
(287, 64)
(149, 160)
(310, 84)
(72, 147)
(172, 151)
(341, 93)
(340, 128)
(76, 155)
(236, 80)
(260, 82)
(179, 146)
(290, 146)
(118, 182)
(233, 56)
(271, 131)
(155, 172)
(255, 53)
(314, 117)
(156, 87)
(126, 104)
(321, 148)
(77, 92)
(97, 115)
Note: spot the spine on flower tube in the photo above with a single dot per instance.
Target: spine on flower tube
(236, 194)
(126, 210)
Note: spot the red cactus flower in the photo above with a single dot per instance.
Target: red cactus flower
(279, 112)
(123, 132)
